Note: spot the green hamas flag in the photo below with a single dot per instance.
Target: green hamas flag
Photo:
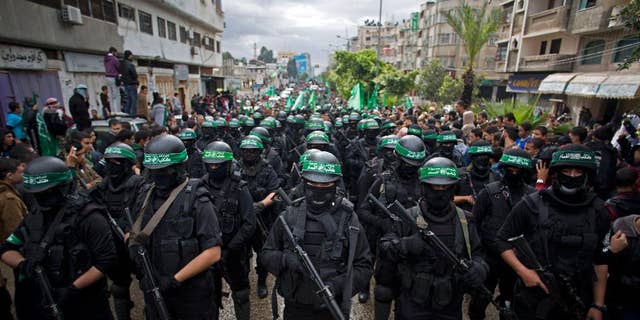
(356, 100)
(47, 143)
(407, 103)
(271, 92)
(299, 101)
(289, 102)
(373, 99)
(327, 88)
(312, 101)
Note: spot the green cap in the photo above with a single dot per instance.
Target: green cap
(438, 172)
(164, 158)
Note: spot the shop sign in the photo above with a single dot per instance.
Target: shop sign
(82, 62)
(525, 82)
(14, 57)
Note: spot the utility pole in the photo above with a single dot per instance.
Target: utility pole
(255, 51)
(379, 39)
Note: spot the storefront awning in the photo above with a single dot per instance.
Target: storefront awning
(555, 83)
(620, 86)
(585, 85)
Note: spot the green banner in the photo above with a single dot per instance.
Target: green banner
(414, 21)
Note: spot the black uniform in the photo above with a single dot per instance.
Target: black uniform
(81, 240)
(356, 154)
(194, 164)
(327, 238)
(471, 183)
(234, 207)
(623, 284)
(189, 227)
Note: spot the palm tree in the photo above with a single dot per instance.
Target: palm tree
(474, 27)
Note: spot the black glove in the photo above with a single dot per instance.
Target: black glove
(291, 262)
(475, 276)
(412, 245)
(168, 283)
(389, 244)
(26, 267)
(66, 295)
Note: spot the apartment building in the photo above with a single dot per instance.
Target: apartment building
(569, 52)
(49, 46)
(368, 38)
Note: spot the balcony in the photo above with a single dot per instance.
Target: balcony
(546, 62)
(548, 21)
(592, 19)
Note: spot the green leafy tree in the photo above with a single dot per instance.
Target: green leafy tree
(397, 83)
(474, 27)
(226, 55)
(450, 89)
(292, 69)
(430, 79)
(353, 67)
(630, 16)
(266, 55)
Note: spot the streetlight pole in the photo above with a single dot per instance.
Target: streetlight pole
(379, 39)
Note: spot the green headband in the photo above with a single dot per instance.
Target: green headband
(314, 125)
(516, 161)
(303, 157)
(47, 178)
(234, 123)
(121, 151)
(217, 155)
(268, 123)
(414, 131)
(187, 135)
(413, 155)
(320, 135)
(249, 122)
(430, 136)
(164, 158)
(480, 150)
(251, 143)
(388, 141)
(388, 125)
(438, 172)
(370, 124)
(320, 167)
(263, 138)
(573, 157)
(447, 138)
(208, 124)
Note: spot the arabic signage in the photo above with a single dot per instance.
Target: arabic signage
(13, 57)
(414, 21)
(525, 82)
(181, 72)
(82, 62)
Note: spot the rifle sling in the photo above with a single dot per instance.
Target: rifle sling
(48, 236)
(158, 215)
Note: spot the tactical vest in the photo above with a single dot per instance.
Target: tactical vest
(66, 257)
(256, 179)
(501, 205)
(228, 206)
(393, 189)
(325, 238)
(116, 200)
(174, 242)
(430, 278)
(565, 241)
(195, 166)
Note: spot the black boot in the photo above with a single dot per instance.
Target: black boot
(241, 304)
(381, 310)
(122, 304)
(363, 297)
(262, 286)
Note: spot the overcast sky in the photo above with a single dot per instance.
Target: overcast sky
(302, 25)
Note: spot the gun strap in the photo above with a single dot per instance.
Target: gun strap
(48, 236)
(543, 216)
(348, 288)
(274, 300)
(158, 215)
(465, 229)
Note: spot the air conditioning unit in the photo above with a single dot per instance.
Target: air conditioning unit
(614, 18)
(72, 15)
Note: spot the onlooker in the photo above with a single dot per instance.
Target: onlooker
(533, 146)
(94, 115)
(578, 135)
(125, 136)
(143, 103)
(108, 139)
(524, 134)
(111, 73)
(104, 99)
(158, 110)
(14, 121)
(79, 107)
(509, 136)
(76, 161)
(130, 81)
(8, 141)
(509, 120)
(177, 105)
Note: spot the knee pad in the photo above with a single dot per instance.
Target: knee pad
(383, 294)
(120, 292)
(241, 296)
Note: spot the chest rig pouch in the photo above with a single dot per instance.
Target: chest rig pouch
(227, 205)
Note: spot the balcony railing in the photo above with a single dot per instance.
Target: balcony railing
(548, 21)
(546, 62)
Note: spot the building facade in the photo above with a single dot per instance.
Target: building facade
(176, 46)
(568, 52)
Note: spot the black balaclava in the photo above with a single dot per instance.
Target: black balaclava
(407, 171)
(218, 175)
(570, 186)
(166, 179)
(119, 172)
(190, 145)
(234, 132)
(52, 198)
(480, 166)
(438, 201)
(446, 150)
(319, 198)
(371, 137)
(250, 156)
(513, 180)
(388, 155)
(321, 147)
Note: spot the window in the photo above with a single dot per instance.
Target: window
(109, 7)
(145, 22)
(501, 54)
(218, 46)
(587, 4)
(171, 30)
(126, 12)
(83, 5)
(624, 48)
(96, 9)
(555, 46)
(162, 28)
(543, 47)
(196, 39)
(592, 52)
(48, 3)
(184, 35)
(492, 41)
(443, 38)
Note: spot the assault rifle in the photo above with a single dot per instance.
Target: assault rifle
(460, 264)
(114, 225)
(561, 292)
(285, 197)
(154, 290)
(51, 305)
(323, 291)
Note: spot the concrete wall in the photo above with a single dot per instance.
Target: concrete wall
(33, 24)
(606, 65)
